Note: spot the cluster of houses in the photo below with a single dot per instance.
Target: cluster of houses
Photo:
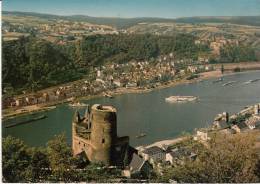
(154, 158)
(145, 74)
(68, 92)
(247, 119)
(244, 121)
(148, 73)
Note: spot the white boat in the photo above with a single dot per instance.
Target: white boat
(175, 99)
(77, 104)
(141, 135)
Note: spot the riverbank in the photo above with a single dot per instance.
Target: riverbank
(163, 143)
(27, 110)
(17, 111)
(121, 91)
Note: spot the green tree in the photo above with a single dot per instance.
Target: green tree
(237, 53)
(38, 170)
(16, 159)
(60, 158)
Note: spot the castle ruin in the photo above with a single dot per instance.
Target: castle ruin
(95, 134)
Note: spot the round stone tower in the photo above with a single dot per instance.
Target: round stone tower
(103, 132)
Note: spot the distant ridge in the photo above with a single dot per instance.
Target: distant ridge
(121, 23)
(111, 21)
(243, 20)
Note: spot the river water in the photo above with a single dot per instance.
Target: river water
(149, 113)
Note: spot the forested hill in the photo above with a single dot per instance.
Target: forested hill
(128, 22)
(31, 63)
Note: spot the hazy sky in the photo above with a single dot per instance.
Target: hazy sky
(137, 8)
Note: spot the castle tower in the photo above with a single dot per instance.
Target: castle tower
(95, 134)
(103, 132)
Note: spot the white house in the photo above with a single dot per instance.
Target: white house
(201, 136)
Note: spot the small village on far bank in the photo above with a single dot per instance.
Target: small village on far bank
(118, 79)
(143, 74)
(111, 77)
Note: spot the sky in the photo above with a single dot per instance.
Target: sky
(137, 8)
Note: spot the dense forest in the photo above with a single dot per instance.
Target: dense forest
(122, 48)
(237, 53)
(31, 63)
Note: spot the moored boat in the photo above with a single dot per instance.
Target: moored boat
(141, 135)
(26, 121)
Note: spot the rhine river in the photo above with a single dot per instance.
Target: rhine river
(149, 113)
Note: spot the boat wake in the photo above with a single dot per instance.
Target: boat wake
(251, 81)
(229, 83)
